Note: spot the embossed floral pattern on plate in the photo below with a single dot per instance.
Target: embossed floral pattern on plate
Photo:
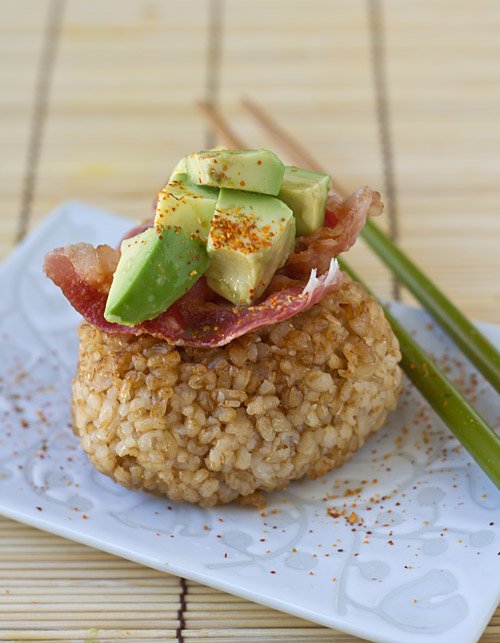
(400, 545)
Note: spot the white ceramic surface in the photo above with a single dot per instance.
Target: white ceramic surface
(401, 545)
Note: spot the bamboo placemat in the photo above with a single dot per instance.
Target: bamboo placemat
(98, 102)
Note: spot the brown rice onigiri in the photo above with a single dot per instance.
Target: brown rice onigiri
(210, 425)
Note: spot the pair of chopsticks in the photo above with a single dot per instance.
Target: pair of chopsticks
(462, 419)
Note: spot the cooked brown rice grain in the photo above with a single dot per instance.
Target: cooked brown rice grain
(208, 425)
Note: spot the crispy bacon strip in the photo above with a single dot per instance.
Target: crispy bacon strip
(200, 317)
(344, 221)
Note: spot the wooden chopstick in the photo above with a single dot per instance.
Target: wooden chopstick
(294, 149)
(220, 126)
(462, 419)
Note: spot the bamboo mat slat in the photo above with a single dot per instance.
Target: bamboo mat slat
(21, 38)
(444, 104)
(120, 102)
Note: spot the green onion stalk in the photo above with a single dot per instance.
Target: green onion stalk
(470, 340)
(478, 438)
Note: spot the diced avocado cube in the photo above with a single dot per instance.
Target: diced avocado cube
(188, 206)
(249, 170)
(250, 238)
(180, 168)
(306, 192)
(156, 267)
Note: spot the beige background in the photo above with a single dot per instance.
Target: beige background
(98, 101)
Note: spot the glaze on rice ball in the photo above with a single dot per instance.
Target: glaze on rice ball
(208, 426)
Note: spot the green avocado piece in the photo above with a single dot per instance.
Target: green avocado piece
(188, 206)
(180, 168)
(249, 170)
(156, 267)
(306, 192)
(250, 238)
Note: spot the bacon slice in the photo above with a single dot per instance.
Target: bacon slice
(200, 317)
(85, 277)
(344, 221)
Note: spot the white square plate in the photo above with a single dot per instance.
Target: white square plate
(401, 545)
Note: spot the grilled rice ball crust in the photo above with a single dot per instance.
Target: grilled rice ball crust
(210, 425)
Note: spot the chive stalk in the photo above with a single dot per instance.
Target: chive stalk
(471, 341)
(477, 437)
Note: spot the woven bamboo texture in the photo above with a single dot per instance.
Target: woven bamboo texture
(99, 100)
